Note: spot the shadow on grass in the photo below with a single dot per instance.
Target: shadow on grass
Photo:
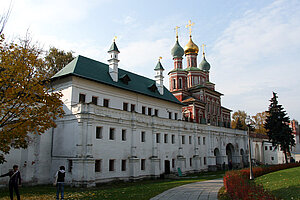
(291, 192)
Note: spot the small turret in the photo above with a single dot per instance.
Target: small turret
(159, 78)
(113, 60)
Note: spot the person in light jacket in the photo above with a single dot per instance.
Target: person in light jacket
(14, 181)
(60, 179)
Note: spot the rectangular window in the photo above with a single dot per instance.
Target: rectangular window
(180, 84)
(204, 160)
(173, 163)
(150, 111)
(270, 148)
(199, 140)
(156, 112)
(143, 164)
(123, 134)
(81, 98)
(170, 115)
(95, 100)
(266, 148)
(272, 158)
(111, 133)
(106, 103)
(166, 138)
(99, 132)
(132, 109)
(111, 165)
(191, 162)
(97, 165)
(143, 136)
(143, 110)
(175, 116)
(123, 165)
(70, 165)
(173, 139)
(190, 139)
(157, 137)
(183, 139)
(125, 106)
(203, 140)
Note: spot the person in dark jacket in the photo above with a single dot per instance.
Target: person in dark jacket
(60, 177)
(14, 181)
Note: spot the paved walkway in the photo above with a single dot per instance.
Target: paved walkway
(207, 190)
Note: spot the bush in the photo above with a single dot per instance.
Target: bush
(238, 186)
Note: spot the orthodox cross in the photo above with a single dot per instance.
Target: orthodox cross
(189, 26)
(203, 45)
(159, 58)
(176, 29)
(115, 38)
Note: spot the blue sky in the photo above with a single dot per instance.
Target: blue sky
(253, 46)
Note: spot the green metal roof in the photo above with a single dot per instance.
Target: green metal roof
(96, 71)
(177, 70)
(159, 66)
(193, 69)
(113, 47)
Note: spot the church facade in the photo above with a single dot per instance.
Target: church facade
(122, 126)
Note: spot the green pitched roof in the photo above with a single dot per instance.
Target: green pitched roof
(159, 66)
(113, 47)
(96, 71)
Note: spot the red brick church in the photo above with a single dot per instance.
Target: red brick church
(191, 86)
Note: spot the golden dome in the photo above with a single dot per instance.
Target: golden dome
(191, 47)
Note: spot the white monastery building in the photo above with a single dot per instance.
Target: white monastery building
(119, 125)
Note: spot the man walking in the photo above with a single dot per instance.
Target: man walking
(14, 181)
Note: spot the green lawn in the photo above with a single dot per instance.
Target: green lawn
(140, 190)
(284, 184)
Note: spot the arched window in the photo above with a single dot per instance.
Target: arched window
(174, 83)
(180, 83)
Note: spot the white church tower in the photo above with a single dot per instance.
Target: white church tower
(113, 61)
(159, 78)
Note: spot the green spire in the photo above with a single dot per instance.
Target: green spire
(113, 47)
(159, 65)
(204, 65)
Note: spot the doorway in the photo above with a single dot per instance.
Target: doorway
(167, 167)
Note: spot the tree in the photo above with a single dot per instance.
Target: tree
(259, 121)
(4, 18)
(277, 126)
(27, 102)
(238, 120)
(55, 60)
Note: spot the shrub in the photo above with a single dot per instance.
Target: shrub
(238, 186)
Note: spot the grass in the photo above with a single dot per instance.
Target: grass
(140, 190)
(284, 184)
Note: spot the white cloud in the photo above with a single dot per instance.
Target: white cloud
(259, 53)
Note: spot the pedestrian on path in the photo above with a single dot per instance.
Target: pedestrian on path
(14, 181)
(59, 182)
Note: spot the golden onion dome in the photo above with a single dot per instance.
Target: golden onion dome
(191, 47)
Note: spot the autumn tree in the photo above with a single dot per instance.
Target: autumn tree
(27, 102)
(238, 120)
(259, 121)
(55, 60)
(277, 126)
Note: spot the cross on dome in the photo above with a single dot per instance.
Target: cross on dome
(189, 26)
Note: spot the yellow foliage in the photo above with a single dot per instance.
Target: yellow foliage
(27, 101)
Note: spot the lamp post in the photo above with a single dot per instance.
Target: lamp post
(248, 123)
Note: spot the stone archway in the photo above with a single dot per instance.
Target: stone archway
(230, 152)
(257, 153)
(218, 157)
(243, 158)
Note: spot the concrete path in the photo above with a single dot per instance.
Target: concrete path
(207, 190)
